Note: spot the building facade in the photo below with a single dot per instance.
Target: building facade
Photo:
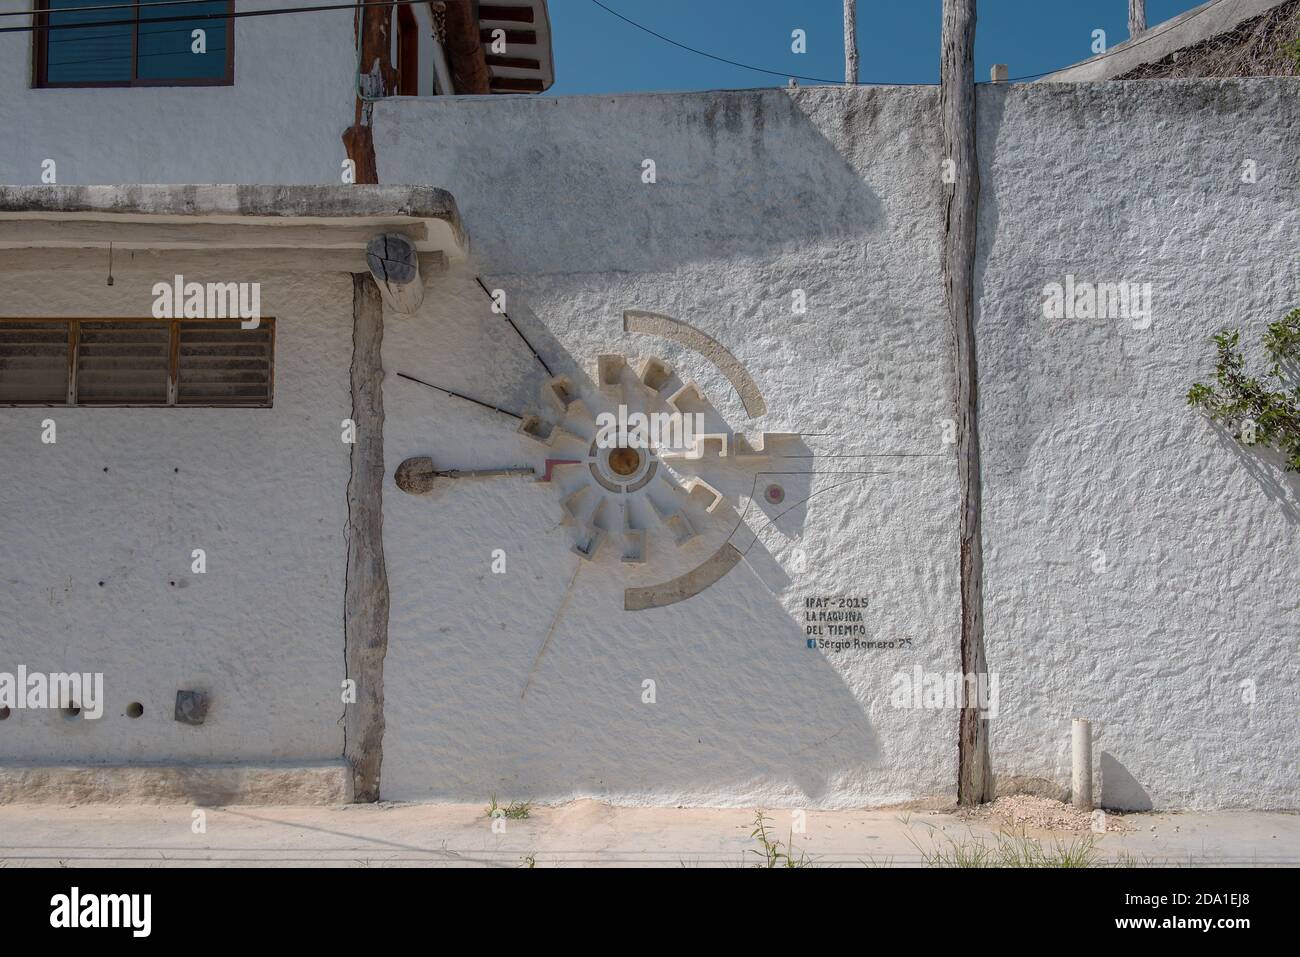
(773, 616)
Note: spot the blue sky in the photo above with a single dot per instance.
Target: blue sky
(898, 40)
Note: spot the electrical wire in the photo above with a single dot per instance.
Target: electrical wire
(189, 18)
(186, 18)
(1151, 35)
(107, 6)
(722, 59)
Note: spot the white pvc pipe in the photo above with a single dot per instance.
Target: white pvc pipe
(1081, 752)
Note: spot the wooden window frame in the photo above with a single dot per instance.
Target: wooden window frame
(40, 21)
(173, 365)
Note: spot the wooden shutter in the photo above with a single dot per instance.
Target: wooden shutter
(123, 363)
(33, 363)
(221, 364)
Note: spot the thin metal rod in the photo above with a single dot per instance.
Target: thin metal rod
(459, 395)
(486, 473)
(517, 330)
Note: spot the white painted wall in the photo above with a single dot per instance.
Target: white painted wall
(263, 491)
(1089, 448)
(1086, 444)
(758, 194)
(281, 121)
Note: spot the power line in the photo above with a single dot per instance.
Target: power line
(127, 58)
(188, 18)
(1150, 35)
(743, 66)
(107, 6)
(229, 15)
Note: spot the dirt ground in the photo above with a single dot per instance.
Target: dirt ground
(589, 833)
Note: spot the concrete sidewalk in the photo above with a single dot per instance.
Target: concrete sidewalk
(584, 834)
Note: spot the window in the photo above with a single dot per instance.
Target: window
(150, 44)
(126, 362)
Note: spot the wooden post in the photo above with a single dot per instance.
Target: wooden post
(469, 69)
(377, 78)
(850, 41)
(1137, 18)
(957, 106)
(365, 600)
(395, 264)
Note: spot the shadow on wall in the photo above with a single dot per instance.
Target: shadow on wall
(1119, 789)
(483, 697)
(736, 173)
(1268, 468)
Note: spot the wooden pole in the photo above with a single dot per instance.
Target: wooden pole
(1137, 18)
(377, 78)
(469, 69)
(365, 597)
(957, 106)
(850, 41)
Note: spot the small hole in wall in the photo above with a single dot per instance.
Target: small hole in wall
(101, 584)
(72, 710)
(4, 713)
(105, 468)
(774, 494)
(134, 709)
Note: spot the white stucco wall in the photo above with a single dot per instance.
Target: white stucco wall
(758, 194)
(1090, 452)
(1087, 444)
(125, 495)
(281, 121)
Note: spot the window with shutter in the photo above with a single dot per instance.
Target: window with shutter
(34, 362)
(136, 362)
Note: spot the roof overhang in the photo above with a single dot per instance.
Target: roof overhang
(331, 224)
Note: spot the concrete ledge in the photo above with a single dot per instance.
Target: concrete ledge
(429, 213)
(209, 784)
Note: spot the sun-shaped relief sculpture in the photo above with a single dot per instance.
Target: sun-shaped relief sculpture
(641, 423)
(616, 453)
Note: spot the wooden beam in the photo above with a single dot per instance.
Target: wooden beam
(957, 108)
(508, 14)
(374, 26)
(850, 41)
(395, 266)
(514, 84)
(1137, 18)
(469, 69)
(365, 601)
